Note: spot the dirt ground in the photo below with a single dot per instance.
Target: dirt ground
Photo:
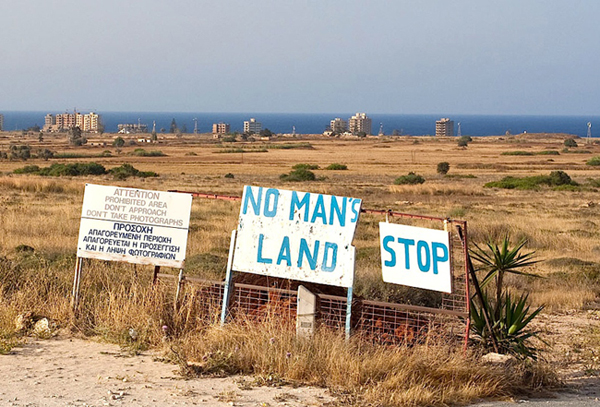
(66, 371)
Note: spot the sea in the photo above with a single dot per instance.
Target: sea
(316, 123)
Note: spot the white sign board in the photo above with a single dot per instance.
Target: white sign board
(416, 257)
(134, 225)
(297, 235)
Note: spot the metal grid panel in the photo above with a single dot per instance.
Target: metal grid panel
(258, 303)
(457, 300)
(208, 306)
(332, 311)
(387, 325)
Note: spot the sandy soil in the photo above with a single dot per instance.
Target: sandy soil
(67, 371)
(74, 372)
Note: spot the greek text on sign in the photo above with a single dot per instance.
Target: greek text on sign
(297, 235)
(416, 257)
(134, 225)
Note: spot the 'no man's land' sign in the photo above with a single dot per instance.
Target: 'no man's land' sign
(297, 235)
(134, 225)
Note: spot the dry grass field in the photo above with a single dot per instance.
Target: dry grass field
(561, 225)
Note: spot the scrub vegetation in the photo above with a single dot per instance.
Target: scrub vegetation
(40, 222)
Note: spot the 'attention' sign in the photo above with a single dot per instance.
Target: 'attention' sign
(297, 235)
(134, 225)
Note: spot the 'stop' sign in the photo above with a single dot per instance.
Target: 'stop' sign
(297, 235)
(134, 225)
(416, 257)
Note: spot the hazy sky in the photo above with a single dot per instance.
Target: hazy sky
(314, 56)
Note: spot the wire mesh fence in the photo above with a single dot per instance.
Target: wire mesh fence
(381, 322)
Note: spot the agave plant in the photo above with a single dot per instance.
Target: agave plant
(498, 260)
(508, 317)
(509, 327)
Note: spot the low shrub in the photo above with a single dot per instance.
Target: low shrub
(127, 170)
(301, 174)
(336, 167)
(140, 152)
(517, 153)
(28, 169)
(554, 179)
(229, 175)
(82, 169)
(443, 168)
(290, 146)
(547, 152)
(72, 170)
(242, 150)
(594, 161)
(410, 179)
(570, 143)
(464, 141)
(305, 167)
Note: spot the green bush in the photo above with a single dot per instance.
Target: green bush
(560, 178)
(305, 167)
(337, 167)
(555, 179)
(229, 175)
(45, 154)
(140, 152)
(19, 152)
(81, 169)
(28, 169)
(594, 161)
(570, 142)
(290, 146)
(547, 152)
(73, 170)
(443, 168)
(127, 170)
(410, 179)
(464, 141)
(119, 142)
(301, 174)
(517, 153)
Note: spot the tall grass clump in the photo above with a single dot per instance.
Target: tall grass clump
(359, 371)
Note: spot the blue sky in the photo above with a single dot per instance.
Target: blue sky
(313, 56)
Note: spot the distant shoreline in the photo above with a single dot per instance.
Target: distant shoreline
(306, 123)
